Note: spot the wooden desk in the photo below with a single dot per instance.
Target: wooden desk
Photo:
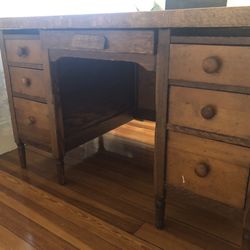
(73, 78)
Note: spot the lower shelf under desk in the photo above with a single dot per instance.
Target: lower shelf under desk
(78, 135)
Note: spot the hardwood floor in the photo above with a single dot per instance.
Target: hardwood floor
(106, 204)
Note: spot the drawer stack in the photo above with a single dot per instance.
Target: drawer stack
(29, 90)
(208, 150)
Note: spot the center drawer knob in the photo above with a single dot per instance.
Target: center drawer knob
(211, 64)
(202, 170)
(26, 81)
(208, 112)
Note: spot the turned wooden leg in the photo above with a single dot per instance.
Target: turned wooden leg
(22, 154)
(246, 221)
(161, 135)
(247, 235)
(60, 171)
(101, 147)
(159, 212)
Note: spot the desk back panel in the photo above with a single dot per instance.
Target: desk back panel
(92, 91)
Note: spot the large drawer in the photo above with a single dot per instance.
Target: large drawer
(212, 111)
(226, 65)
(23, 50)
(211, 169)
(28, 82)
(130, 41)
(33, 122)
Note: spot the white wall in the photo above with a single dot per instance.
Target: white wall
(238, 3)
(14, 8)
(6, 135)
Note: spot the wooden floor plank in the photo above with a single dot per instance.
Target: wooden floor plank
(99, 189)
(142, 132)
(67, 211)
(54, 225)
(131, 178)
(9, 241)
(206, 221)
(83, 197)
(31, 232)
(112, 183)
(164, 239)
(180, 237)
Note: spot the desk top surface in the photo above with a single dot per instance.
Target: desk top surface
(206, 17)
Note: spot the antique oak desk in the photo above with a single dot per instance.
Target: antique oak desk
(73, 78)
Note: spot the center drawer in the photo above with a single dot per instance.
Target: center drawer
(213, 111)
(211, 169)
(33, 122)
(130, 41)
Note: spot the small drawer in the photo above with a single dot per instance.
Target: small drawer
(211, 169)
(226, 65)
(133, 41)
(23, 51)
(33, 122)
(28, 82)
(212, 111)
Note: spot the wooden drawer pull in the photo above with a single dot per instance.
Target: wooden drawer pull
(26, 81)
(22, 51)
(31, 120)
(86, 41)
(211, 64)
(202, 170)
(208, 112)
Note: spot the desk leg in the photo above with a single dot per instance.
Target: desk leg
(22, 154)
(246, 239)
(161, 122)
(159, 212)
(247, 216)
(55, 109)
(101, 146)
(247, 235)
(60, 171)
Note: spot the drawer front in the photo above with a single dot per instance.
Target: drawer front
(226, 65)
(141, 42)
(33, 122)
(211, 169)
(23, 51)
(213, 111)
(28, 82)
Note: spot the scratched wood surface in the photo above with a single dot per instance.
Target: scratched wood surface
(206, 17)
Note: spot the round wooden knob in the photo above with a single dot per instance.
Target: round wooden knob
(211, 64)
(208, 112)
(31, 120)
(22, 51)
(202, 170)
(26, 81)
